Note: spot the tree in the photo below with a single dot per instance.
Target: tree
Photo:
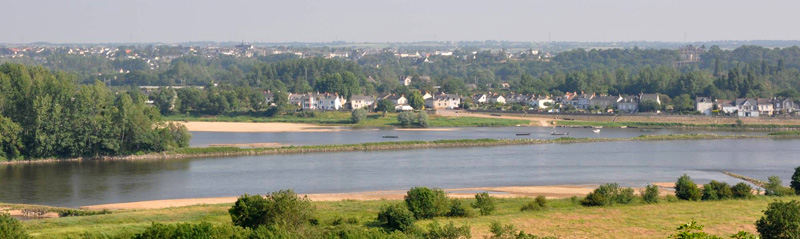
(484, 203)
(650, 194)
(186, 230)
(426, 203)
(781, 220)
(648, 106)
(405, 118)
(459, 209)
(396, 217)
(358, 115)
(774, 187)
(10, 143)
(795, 184)
(11, 228)
(686, 189)
(282, 208)
(608, 194)
(692, 230)
(715, 190)
(384, 105)
(742, 191)
(415, 100)
(422, 119)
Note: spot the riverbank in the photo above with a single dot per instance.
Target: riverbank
(563, 218)
(244, 127)
(397, 145)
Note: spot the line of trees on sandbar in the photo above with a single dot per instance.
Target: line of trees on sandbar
(46, 114)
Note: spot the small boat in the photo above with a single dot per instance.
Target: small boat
(554, 133)
(523, 134)
(633, 127)
(646, 130)
(623, 127)
(596, 130)
(390, 136)
(495, 114)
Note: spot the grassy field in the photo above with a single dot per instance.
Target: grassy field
(564, 219)
(343, 118)
(676, 125)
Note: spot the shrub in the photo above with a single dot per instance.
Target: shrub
(537, 204)
(774, 187)
(742, 190)
(459, 209)
(405, 118)
(686, 189)
(422, 119)
(449, 231)
(650, 194)
(500, 231)
(608, 194)
(717, 191)
(795, 184)
(780, 220)
(396, 218)
(11, 228)
(427, 203)
(485, 203)
(693, 230)
(186, 230)
(282, 208)
(358, 115)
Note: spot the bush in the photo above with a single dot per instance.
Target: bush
(459, 209)
(742, 190)
(686, 189)
(186, 230)
(283, 208)
(795, 184)
(539, 203)
(717, 191)
(485, 203)
(500, 231)
(422, 119)
(405, 118)
(774, 187)
(449, 231)
(693, 230)
(396, 218)
(780, 220)
(427, 203)
(650, 194)
(608, 194)
(358, 115)
(11, 228)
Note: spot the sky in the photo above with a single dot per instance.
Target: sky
(173, 21)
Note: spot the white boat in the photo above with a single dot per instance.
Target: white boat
(596, 130)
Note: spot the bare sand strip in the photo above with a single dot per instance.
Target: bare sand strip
(551, 192)
(535, 121)
(244, 127)
(251, 145)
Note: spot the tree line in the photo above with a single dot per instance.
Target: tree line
(47, 114)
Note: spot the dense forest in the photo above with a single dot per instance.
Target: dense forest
(47, 114)
(747, 71)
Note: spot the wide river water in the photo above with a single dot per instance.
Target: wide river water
(633, 163)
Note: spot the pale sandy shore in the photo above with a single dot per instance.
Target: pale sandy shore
(551, 192)
(242, 127)
(251, 145)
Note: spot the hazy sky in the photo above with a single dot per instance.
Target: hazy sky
(94, 21)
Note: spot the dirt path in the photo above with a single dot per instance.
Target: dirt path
(535, 121)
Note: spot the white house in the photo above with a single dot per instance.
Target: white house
(443, 101)
(704, 105)
(406, 81)
(747, 107)
(541, 101)
(479, 99)
(361, 101)
(496, 98)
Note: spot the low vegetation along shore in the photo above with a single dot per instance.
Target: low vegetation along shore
(401, 145)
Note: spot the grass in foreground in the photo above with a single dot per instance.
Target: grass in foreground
(675, 125)
(564, 219)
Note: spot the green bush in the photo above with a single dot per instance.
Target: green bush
(449, 231)
(742, 191)
(781, 220)
(500, 231)
(717, 191)
(283, 208)
(650, 194)
(396, 218)
(358, 115)
(539, 203)
(11, 228)
(795, 184)
(774, 187)
(427, 203)
(405, 118)
(185, 230)
(693, 230)
(609, 194)
(484, 203)
(422, 119)
(686, 189)
(459, 209)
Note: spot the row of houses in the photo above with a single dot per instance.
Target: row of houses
(332, 101)
(746, 107)
(584, 101)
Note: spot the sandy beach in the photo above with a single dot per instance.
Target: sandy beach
(242, 127)
(550, 192)
(251, 145)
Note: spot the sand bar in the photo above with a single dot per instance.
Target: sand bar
(241, 127)
(251, 145)
(551, 192)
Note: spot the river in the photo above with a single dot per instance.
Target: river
(635, 163)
